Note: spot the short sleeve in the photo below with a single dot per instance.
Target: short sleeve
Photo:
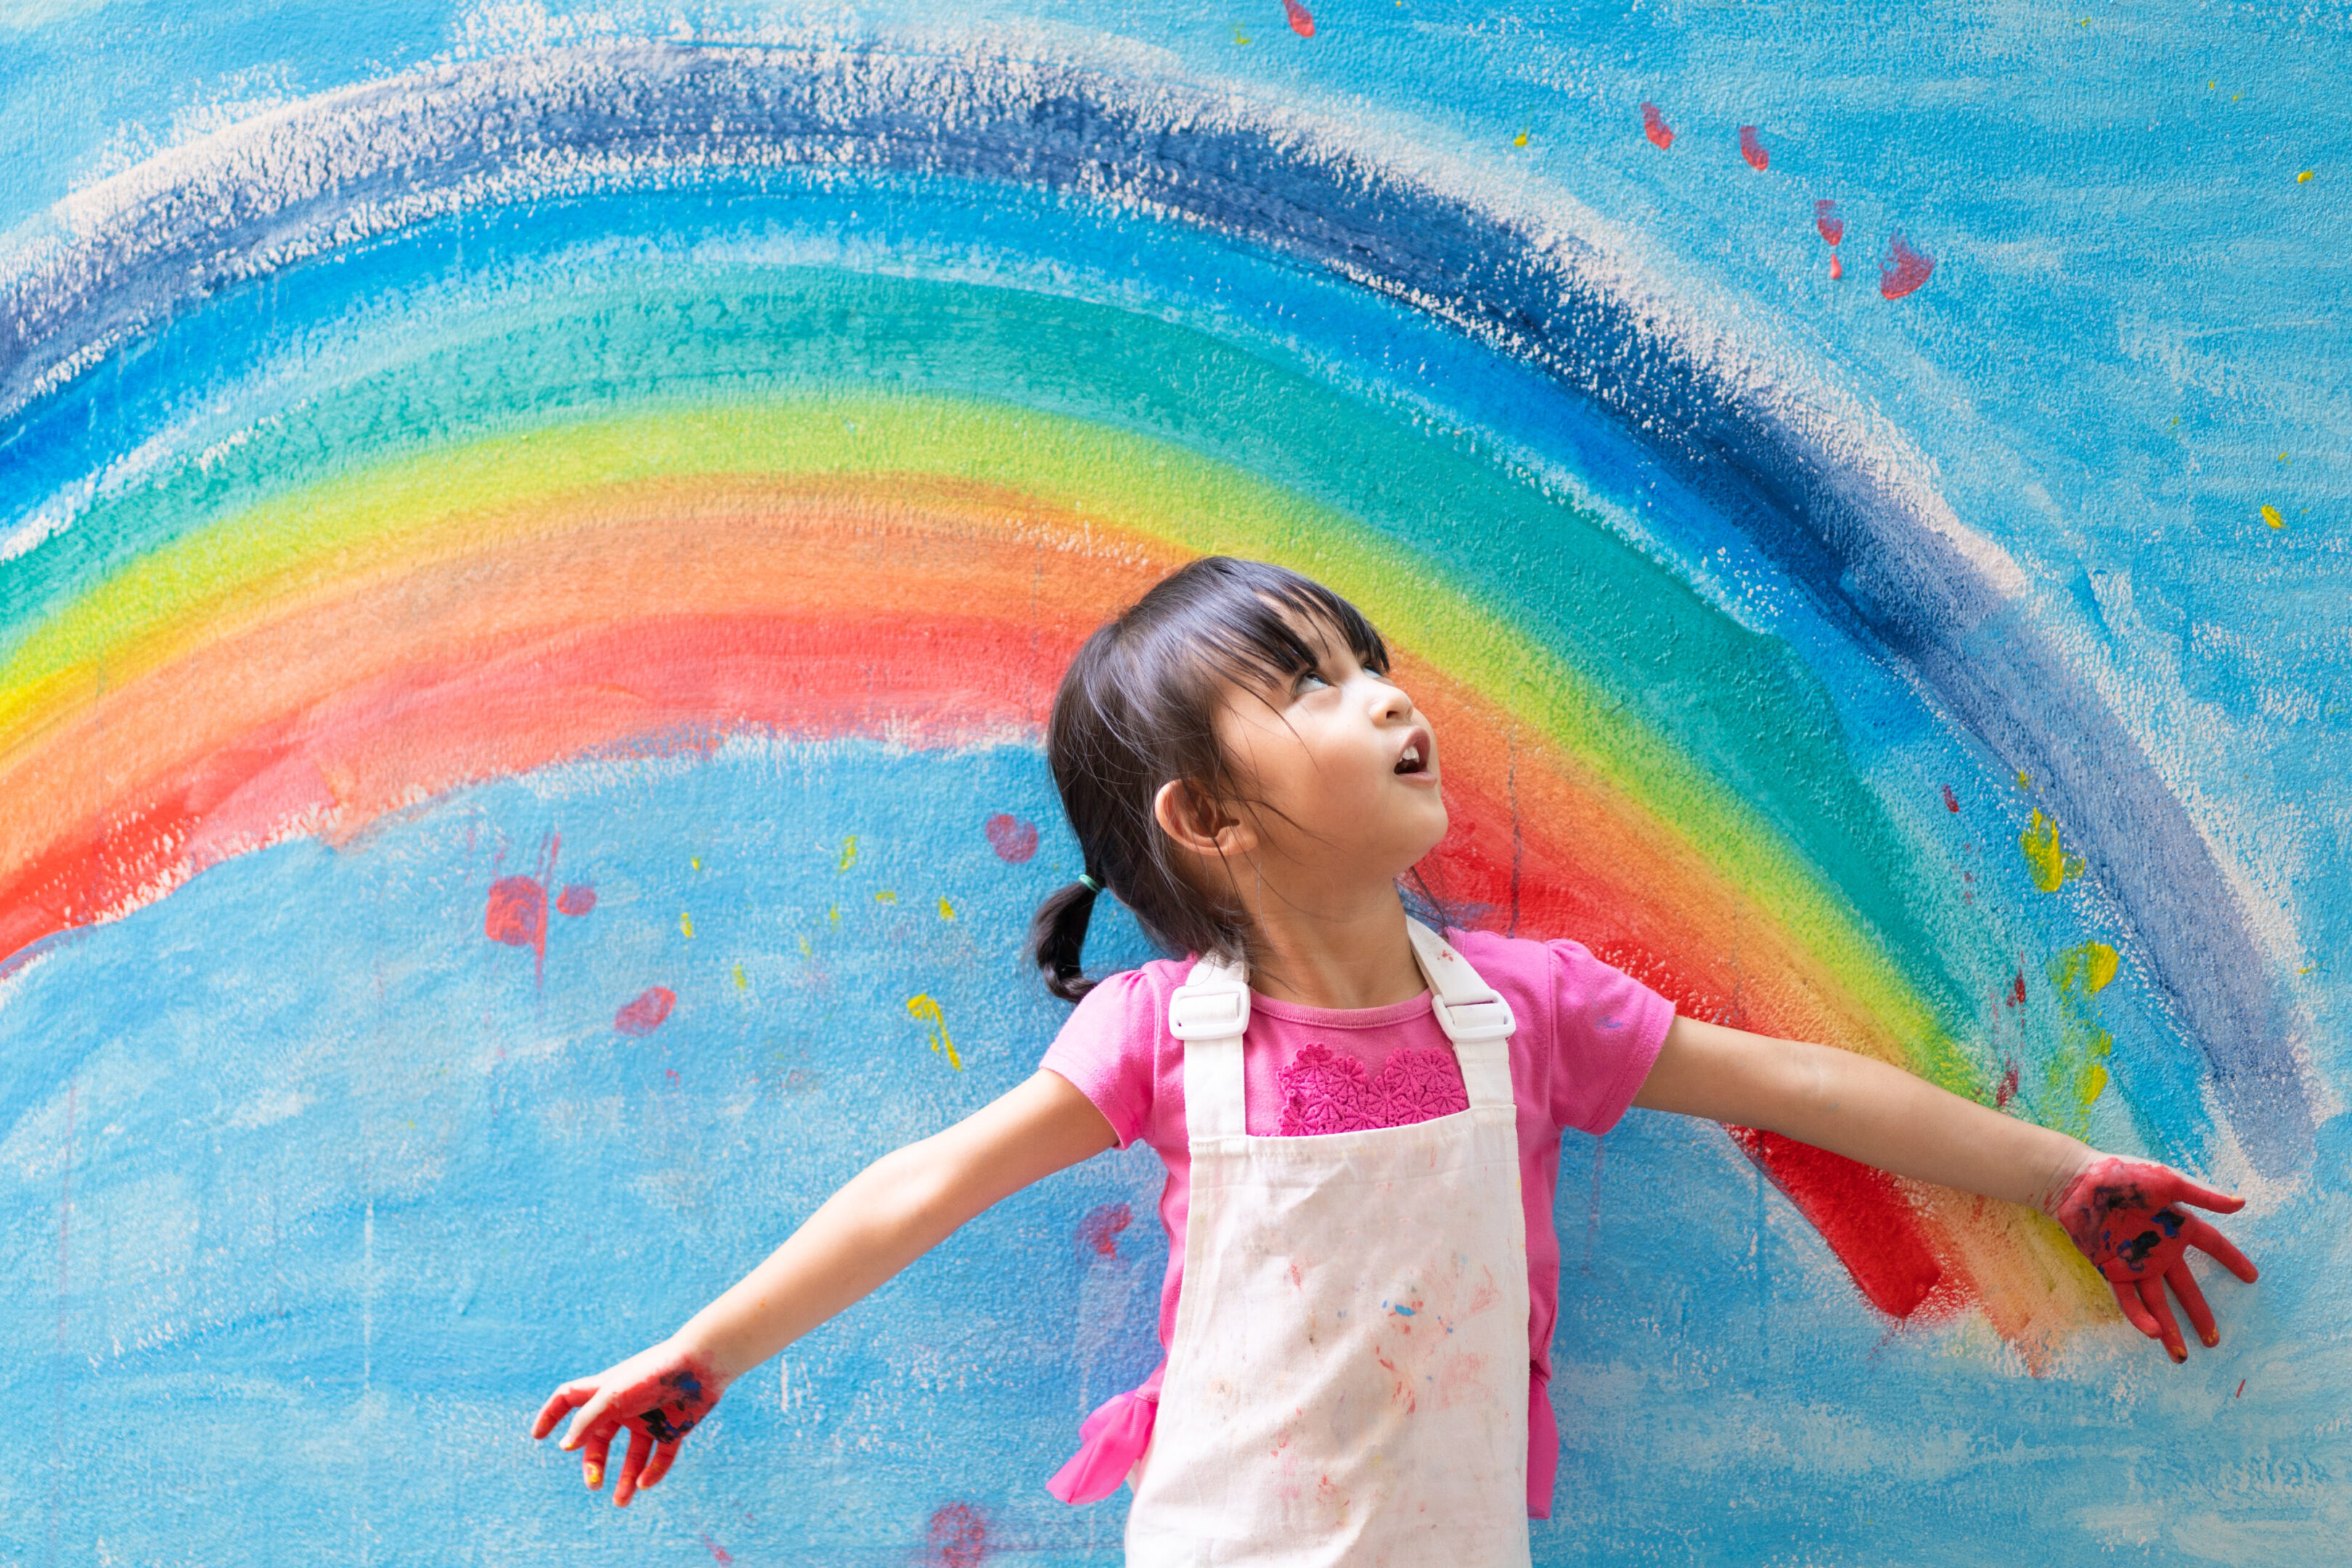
(1607, 1027)
(1106, 1050)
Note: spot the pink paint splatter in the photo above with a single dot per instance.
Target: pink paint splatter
(1099, 1231)
(577, 899)
(2008, 1089)
(1827, 219)
(1904, 269)
(1837, 267)
(1301, 23)
(1654, 126)
(1752, 150)
(645, 1014)
(1013, 839)
(1951, 801)
(957, 1537)
(718, 1553)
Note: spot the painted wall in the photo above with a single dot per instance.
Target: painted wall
(535, 544)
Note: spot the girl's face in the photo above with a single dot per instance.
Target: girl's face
(1341, 770)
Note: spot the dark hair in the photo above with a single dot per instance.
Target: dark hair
(1138, 709)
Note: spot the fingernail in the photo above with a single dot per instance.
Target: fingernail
(2180, 1355)
(596, 1476)
(2212, 1340)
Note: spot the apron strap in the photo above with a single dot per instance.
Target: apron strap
(1472, 1013)
(1210, 1013)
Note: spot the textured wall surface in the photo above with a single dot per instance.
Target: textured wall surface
(535, 544)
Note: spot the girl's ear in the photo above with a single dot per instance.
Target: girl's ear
(1198, 824)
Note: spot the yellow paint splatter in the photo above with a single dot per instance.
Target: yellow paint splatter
(1520, 139)
(696, 862)
(686, 924)
(2083, 970)
(1240, 37)
(741, 983)
(2077, 1072)
(926, 1012)
(886, 896)
(947, 909)
(805, 949)
(2024, 779)
(2271, 515)
(848, 852)
(833, 915)
(2049, 862)
(2301, 177)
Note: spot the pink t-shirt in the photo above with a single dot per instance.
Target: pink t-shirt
(1587, 1035)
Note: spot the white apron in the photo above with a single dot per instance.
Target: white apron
(1348, 1379)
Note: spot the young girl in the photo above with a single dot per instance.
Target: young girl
(1360, 1121)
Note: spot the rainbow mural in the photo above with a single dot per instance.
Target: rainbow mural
(532, 582)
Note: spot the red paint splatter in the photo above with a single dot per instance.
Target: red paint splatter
(718, 1553)
(1752, 150)
(577, 899)
(2008, 1089)
(1013, 839)
(957, 1537)
(1654, 126)
(645, 1014)
(1301, 23)
(2017, 990)
(1951, 801)
(1904, 269)
(1099, 1231)
(517, 911)
(1864, 1219)
(1837, 267)
(2242, 1389)
(1826, 220)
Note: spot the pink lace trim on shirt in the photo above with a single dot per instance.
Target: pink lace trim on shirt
(1323, 1092)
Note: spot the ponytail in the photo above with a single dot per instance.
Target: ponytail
(1057, 937)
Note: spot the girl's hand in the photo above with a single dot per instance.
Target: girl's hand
(658, 1394)
(2121, 1214)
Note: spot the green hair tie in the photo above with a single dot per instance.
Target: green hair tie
(1086, 882)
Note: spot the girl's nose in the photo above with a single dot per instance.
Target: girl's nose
(1391, 703)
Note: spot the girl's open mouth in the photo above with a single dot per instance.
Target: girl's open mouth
(1415, 758)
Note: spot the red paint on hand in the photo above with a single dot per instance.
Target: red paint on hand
(650, 1402)
(1752, 150)
(957, 1537)
(1654, 126)
(2124, 1216)
(517, 911)
(645, 1014)
(1099, 1231)
(1013, 840)
(1904, 269)
(1301, 23)
(1827, 220)
(577, 899)
(1862, 1216)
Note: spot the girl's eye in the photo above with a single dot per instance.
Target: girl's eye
(1308, 679)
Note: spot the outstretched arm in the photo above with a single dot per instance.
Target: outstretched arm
(2122, 1212)
(890, 1213)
